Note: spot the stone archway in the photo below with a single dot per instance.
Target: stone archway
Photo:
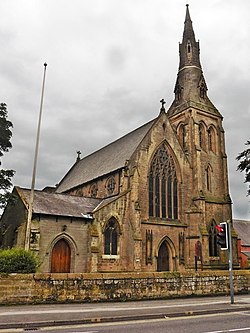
(166, 257)
(61, 257)
(163, 263)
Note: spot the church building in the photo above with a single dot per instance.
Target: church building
(149, 201)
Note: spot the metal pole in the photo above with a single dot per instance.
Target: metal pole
(230, 263)
(31, 201)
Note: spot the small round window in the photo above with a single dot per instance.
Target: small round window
(110, 186)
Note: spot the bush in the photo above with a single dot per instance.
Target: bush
(18, 261)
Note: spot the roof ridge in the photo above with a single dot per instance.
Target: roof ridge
(118, 139)
(104, 160)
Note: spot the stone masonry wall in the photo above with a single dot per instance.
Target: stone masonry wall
(93, 287)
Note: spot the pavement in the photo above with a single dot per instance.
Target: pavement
(33, 317)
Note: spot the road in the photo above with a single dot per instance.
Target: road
(217, 323)
(196, 315)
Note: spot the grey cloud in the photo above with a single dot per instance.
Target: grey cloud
(109, 64)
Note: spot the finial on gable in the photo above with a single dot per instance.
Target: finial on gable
(78, 156)
(162, 101)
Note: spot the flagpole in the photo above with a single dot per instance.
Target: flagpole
(31, 201)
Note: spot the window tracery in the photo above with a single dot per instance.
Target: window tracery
(93, 191)
(110, 185)
(163, 186)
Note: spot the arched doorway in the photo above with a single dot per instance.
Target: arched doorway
(60, 258)
(163, 258)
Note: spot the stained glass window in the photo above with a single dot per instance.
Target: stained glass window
(163, 186)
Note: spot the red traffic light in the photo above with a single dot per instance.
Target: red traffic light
(222, 235)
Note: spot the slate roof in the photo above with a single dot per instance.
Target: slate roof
(242, 228)
(110, 158)
(59, 204)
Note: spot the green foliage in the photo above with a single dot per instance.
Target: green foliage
(18, 261)
(5, 130)
(244, 164)
(5, 145)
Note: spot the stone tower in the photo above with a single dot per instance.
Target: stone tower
(198, 125)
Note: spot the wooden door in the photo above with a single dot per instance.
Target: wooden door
(60, 259)
(163, 258)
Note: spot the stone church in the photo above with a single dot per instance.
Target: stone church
(149, 201)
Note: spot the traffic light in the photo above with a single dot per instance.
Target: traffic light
(222, 235)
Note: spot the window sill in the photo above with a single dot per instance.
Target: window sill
(110, 256)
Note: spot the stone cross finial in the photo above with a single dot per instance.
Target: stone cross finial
(78, 155)
(162, 104)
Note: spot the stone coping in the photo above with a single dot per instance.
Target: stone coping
(121, 275)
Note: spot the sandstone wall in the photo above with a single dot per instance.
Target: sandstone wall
(90, 287)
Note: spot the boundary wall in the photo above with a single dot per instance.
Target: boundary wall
(96, 287)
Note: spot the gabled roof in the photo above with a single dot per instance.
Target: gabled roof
(242, 228)
(59, 204)
(104, 161)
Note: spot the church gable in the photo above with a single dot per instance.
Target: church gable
(160, 159)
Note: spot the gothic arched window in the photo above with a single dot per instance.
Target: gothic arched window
(211, 139)
(209, 178)
(111, 235)
(213, 247)
(163, 186)
(182, 135)
(202, 136)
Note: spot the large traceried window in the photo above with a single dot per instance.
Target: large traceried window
(163, 186)
(111, 235)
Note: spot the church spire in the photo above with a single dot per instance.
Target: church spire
(190, 84)
(189, 48)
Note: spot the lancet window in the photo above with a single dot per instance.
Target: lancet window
(163, 185)
(209, 178)
(111, 235)
(202, 136)
(211, 139)
(213, 247)
(182, 135)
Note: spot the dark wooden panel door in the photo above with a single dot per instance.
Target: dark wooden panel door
(61, 254)
(163, 258)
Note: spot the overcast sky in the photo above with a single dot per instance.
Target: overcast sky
(110, 62)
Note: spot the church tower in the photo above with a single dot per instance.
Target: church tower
(198, 125)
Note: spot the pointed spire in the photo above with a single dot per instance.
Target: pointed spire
(190, 84)
(188, 18)
(189, 48)
(188, 33)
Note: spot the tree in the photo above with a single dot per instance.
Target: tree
(244, 164)
(5, 145)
